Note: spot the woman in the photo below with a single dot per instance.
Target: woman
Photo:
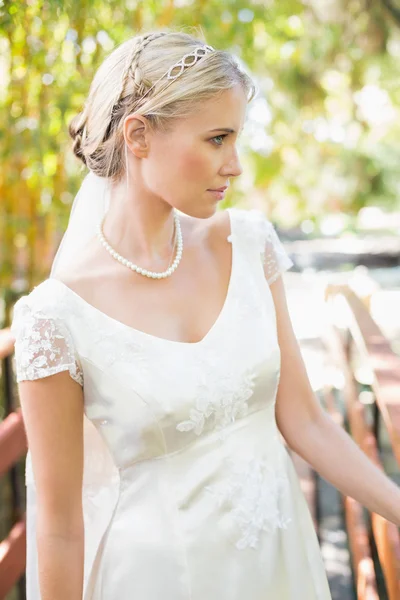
(152, 408)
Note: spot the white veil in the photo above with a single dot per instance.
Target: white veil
(89, 206)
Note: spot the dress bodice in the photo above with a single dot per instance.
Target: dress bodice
(170, 393)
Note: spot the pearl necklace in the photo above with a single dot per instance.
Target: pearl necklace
(131, 265)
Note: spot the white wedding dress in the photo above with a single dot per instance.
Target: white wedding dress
(189, 491)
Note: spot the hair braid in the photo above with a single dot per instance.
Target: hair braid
(77, 130)
(131, 71)
(132, 63)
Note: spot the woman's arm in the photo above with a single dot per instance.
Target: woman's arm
(52, 409)
(312, 434)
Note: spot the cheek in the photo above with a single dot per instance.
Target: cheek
(180, 168)
(195, 165)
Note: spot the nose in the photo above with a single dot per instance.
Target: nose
(233, 168)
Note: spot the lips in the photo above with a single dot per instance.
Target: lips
(221, 189)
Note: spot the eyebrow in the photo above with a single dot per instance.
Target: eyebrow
(226, 129)
(223, 129)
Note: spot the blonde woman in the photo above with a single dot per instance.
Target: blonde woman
(157, 365)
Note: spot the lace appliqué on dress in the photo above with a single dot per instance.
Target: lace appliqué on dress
(273, 255)
(253, 491)
(227, 403)
(43, 345)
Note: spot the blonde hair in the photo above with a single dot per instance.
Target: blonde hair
(127, 74)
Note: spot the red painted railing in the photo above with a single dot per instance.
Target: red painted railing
(13, 447)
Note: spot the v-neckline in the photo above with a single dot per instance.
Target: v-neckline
(151, 337)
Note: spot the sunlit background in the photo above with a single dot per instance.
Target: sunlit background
(320, 149)
(321, 145)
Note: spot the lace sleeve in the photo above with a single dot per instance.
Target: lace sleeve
(43, 345)
(274, 257)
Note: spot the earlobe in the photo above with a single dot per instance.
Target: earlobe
(136, 132)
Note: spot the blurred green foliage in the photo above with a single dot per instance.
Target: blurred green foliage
(322, 135)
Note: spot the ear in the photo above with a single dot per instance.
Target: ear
(137, 134)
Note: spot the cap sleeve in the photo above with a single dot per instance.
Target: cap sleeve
(273, 255)
(43, 344)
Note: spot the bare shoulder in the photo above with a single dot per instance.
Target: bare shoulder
(220, 227)
(212, 231)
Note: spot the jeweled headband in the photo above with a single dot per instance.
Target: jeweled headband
(188, 60)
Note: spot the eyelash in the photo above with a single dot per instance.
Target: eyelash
(219, 136)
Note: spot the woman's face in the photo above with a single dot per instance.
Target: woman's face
(199, 154)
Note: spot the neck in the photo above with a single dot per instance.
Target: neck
(141, 230)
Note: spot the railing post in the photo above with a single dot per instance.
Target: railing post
(376, 425)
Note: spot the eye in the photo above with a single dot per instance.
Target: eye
(218, 137)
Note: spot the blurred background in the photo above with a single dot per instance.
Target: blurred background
(321, 148)
(321, 157)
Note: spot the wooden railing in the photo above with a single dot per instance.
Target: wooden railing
(361, 334)
(13, 447)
